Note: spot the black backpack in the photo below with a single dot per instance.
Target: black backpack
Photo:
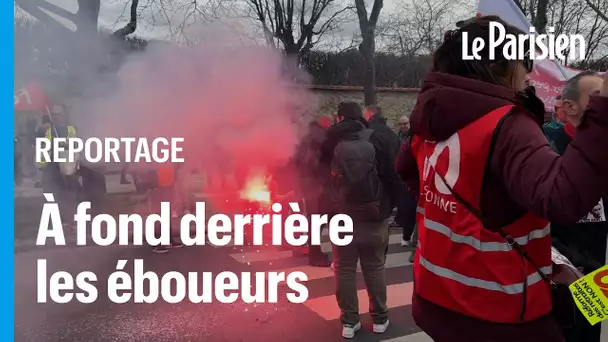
(354, 183)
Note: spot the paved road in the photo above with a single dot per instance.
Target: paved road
(317, 319)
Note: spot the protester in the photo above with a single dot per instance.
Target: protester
(490, 198)
(124, 171)
(165, 191)
(377, 122)
(311, 182)
(404, 128)
(575, 98)
(406, 202)
(559, 113)
(583, 242)
(64, 187)
(362, 184)
(554, 130)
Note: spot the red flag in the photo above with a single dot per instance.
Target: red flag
(31, 97)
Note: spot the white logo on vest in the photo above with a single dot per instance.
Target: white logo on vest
(451, 176)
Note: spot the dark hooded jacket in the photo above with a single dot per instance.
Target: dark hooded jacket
(307, 152)
(523, 173)
(384, 158)
(390, 138)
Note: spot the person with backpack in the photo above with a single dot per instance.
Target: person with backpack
(361, 183)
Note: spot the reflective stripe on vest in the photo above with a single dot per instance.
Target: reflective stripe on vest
(460, 265)
(49, 135)
(517, 288)
(485, 246)
(476, 243)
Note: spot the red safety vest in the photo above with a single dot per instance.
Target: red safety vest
(460, 265)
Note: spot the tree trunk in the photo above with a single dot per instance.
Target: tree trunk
(292, 63)
(367, 49)
(540, 19)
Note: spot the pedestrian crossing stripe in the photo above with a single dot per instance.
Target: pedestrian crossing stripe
(418, 337)
(313, 273)
(399, 294)
(320, 283)
(262, 253)
(393, 239)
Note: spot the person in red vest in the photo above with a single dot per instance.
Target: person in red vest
(489, 184)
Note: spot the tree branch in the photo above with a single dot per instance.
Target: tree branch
(373, 17)
(540, 20)
(328, 22)
(362, 14)
(597, 10)
(132, 25)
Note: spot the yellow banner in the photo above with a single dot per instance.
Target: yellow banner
(590, 294)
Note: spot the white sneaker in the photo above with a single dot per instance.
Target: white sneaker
(406, 243)
(349, 331)
(380, 328)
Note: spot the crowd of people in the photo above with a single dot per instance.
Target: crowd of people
(499, 191)
(485, 271)
(486, 188)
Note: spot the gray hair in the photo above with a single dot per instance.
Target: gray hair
(571, 89)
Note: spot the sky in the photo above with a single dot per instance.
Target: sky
(158, 18)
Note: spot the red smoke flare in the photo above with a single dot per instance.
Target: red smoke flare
(256, 190)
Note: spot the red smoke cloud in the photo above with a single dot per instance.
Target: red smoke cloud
(232, 105)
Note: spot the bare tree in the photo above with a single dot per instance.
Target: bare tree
(596, 8)
(76, 53)
(587, 18)
(85, 19)
(418, 27)
(296, 25)
(576, 17)
(367, 48)
(536, 10)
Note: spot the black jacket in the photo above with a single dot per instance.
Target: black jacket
(307, 153)
(384, 158)
(385, 134)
